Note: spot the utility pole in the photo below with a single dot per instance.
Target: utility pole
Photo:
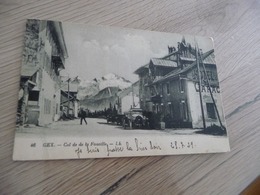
(68, 110)
(199, 75)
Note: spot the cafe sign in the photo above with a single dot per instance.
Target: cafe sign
(204, 88)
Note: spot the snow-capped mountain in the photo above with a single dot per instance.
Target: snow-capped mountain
(112, 80)
(104, 99)
(88, 89)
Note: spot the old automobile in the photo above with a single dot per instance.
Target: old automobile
(134, 118)
(115, 118)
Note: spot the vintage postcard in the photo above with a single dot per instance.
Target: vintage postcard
(98, 91)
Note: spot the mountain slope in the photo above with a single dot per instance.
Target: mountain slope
(102, 100)
(100, 93)
(88, 89)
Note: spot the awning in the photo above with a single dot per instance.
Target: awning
(28, 71)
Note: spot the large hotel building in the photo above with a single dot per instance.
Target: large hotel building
(171, 87)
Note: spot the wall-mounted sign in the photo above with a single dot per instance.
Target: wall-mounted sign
(204, 88)
(211, 73)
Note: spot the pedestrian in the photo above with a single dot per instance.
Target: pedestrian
(82, 115)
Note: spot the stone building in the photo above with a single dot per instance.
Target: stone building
(170, 86)
(43, 59)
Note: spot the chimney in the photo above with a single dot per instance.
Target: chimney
(171, 49)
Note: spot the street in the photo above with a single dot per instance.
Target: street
(94, 128)
(69, 139)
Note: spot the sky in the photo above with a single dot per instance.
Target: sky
(94, 51)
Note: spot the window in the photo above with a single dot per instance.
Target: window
(161, 89)
(211, 110)
(181, 85)
(168, 88)
(47, 106)
(183, 110)
(33, 96)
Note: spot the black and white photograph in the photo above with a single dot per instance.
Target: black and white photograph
(100, 91)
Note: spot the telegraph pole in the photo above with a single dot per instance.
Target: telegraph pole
(68, 110)
(199, 75)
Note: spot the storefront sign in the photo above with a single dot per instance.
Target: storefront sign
(211, 75)
(214, 89)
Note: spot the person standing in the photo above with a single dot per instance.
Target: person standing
(83, 116)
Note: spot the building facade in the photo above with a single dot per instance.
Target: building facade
(171, 86)
(43, 59)
(128, 98)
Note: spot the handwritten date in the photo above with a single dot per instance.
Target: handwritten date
(182, 145)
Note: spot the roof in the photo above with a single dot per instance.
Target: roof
(146, 66)
(209, 60)
(28, 71)
(163, 62)
(176, 72)
(59, 31)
